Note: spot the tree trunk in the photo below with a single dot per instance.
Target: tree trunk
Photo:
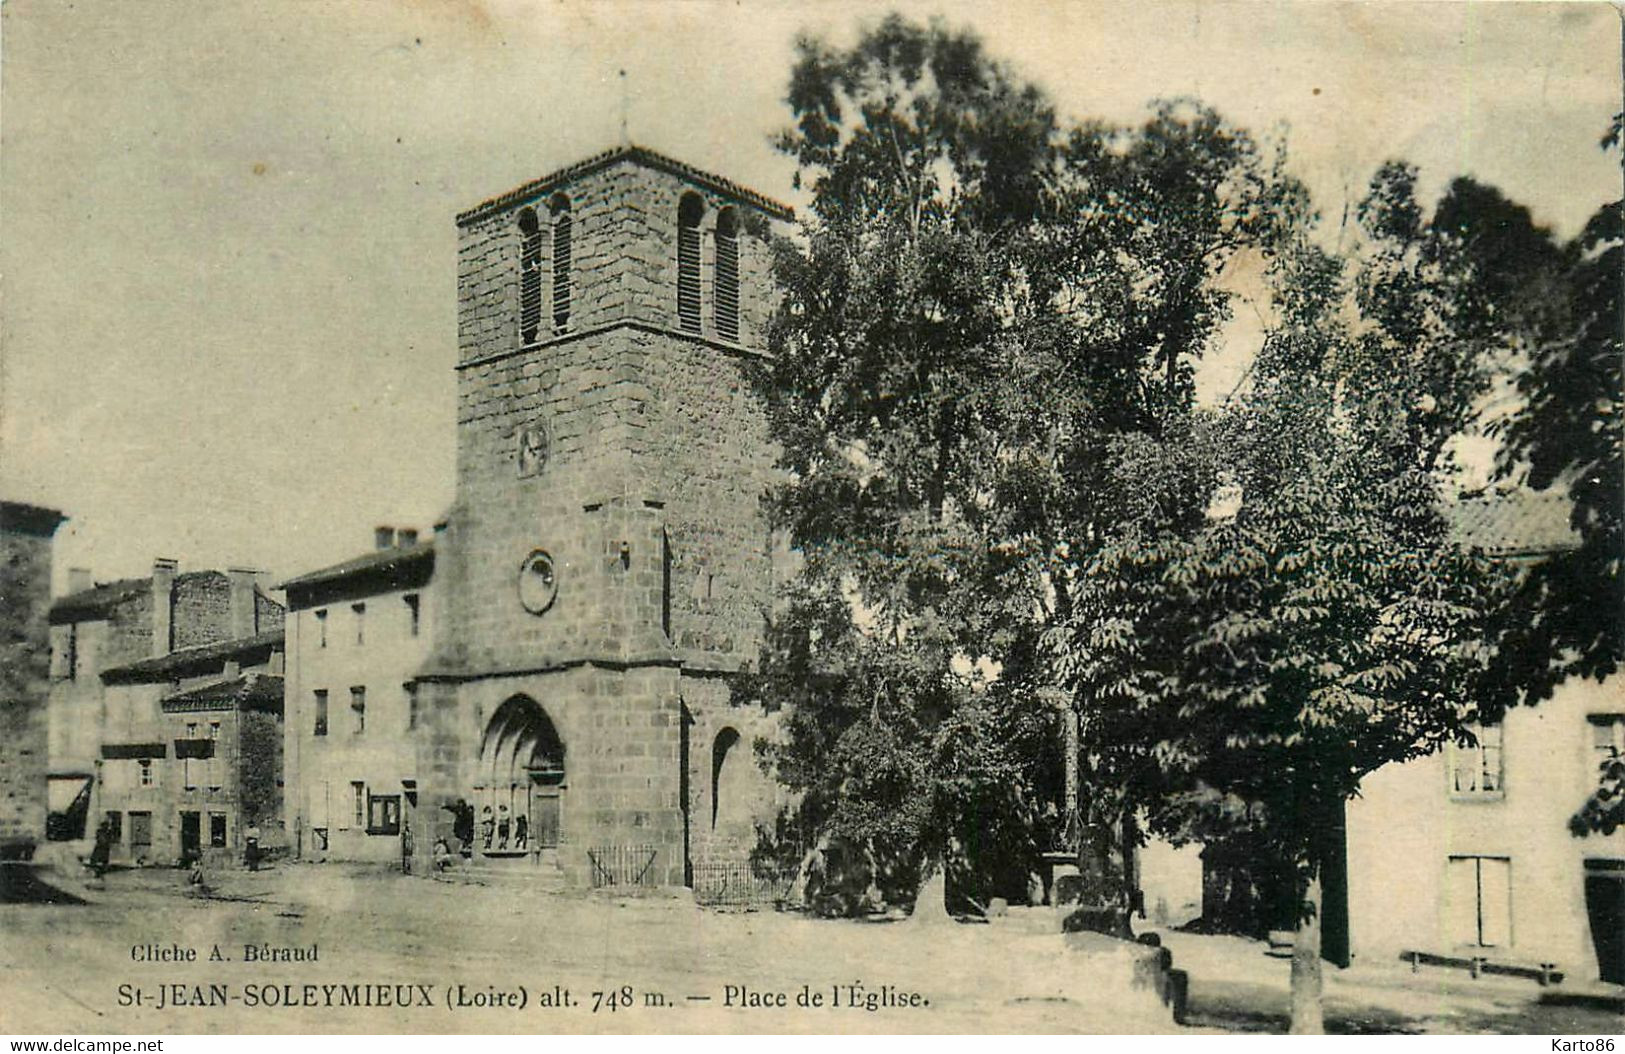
(931, 902)
(1307, 1016)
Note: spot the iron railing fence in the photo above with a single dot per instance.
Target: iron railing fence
(740, 883)
(623, 865)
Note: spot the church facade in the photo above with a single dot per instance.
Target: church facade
(606, 569)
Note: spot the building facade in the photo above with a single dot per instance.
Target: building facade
(605, 571)
(357, 632)
(118, 650)
(191, 758)
(1465, 854)
(26, 533)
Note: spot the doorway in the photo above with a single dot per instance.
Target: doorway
(191, 836)
(1605, 904)
(140, 836)
(520, 800)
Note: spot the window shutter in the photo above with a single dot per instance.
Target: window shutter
(561, 263)
(530, 278)
(689, 213)
(688, 278)
(727, 290)
(1495, 901)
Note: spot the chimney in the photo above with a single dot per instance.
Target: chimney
(383, 537)
(243, 614)
(163, 605)
(79, 579)
(406, 537)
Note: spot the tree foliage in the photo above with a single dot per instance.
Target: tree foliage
(1245, 675)
(982, 316)
(1571, 438)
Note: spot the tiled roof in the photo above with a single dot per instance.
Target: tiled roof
(381, 561)
(100, 599)
(638, 155)
(29, 519)
(252, 691)
(1514, 523)
(193, 660)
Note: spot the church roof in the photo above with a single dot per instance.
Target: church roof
(638, 155)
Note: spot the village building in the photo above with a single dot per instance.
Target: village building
(26, 533)
(191, 758)
(119, 652)
(605, 571)
(1463, 858)
(357, 634)
(1467, 854)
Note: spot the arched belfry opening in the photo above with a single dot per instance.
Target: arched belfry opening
(690, 213)
(519, 796)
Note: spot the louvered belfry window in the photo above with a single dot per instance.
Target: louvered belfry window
(530, 276)
(727, 285)
(561, 261)
(689, 213)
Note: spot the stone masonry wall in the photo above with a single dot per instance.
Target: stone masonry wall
(649, 505)
(25, 600)
(623, 267)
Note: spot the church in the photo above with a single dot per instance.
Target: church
(607, 566)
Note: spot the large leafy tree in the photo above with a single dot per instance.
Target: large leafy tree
(1568, 618)
(1248, 673)
(888, 391)
(978, 308)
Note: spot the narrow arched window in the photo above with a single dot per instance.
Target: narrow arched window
(560, 207)
(727, 276)
(530, 275)
(689, 213)
(724, 786)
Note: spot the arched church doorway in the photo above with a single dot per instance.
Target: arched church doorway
(519, 793)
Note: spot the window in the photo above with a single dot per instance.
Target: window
(1475, 771)
(411, 690)
(188, 774)
(413, 611)
(146, 771)
(1607, 736)
(217, 830)
(360, 612)
(689, 213)
(726, 292)
(384, 814)
(1478, 892)
(530, 276)
(358, 708)
(321, 712)
(560, 207)
(214, 755)
(73, 651)
(321, 629)
(359, 789)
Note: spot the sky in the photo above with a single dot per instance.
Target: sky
(227, 252)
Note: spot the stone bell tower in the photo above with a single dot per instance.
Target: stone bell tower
(605, 569)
